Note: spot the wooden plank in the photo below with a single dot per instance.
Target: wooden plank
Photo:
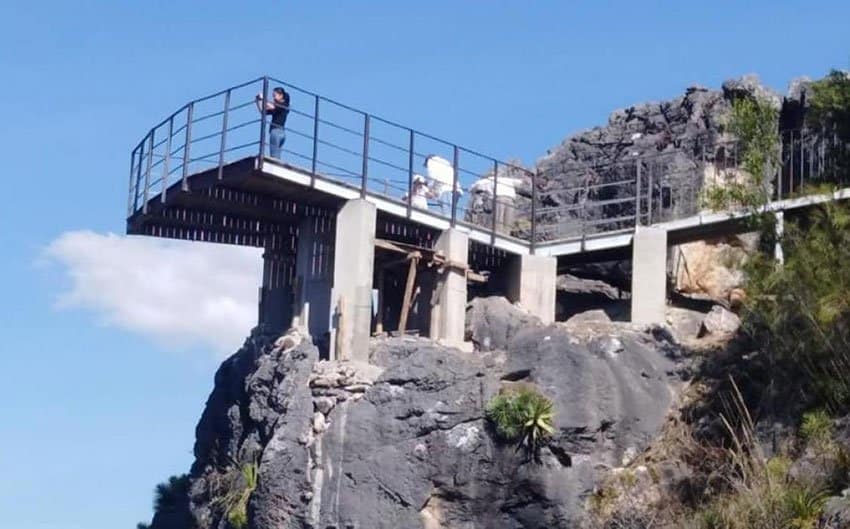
(408, 293)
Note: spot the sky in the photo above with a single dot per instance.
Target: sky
(109, 344)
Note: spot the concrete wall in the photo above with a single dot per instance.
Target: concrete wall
(448, 310)
(351, 298)
(649, 275)
(532, 283)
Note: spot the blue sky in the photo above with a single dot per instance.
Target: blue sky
(97, 406)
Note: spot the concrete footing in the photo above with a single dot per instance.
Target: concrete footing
(448, 311)
(351, 298)
(649, 275)
(532, 284)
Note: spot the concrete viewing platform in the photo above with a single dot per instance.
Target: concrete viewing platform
(353, 245)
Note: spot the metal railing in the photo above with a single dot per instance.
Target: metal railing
(332, 141)
(324, 138)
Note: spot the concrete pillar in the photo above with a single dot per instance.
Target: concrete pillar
(448, 310)
(778, 254)
(313, 276)
(354, 262)
(275, 308)
(532, 284)
(649, 275)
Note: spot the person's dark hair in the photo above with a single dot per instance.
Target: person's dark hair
(281, 91)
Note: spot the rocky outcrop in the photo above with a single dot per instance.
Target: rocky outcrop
(403, 441)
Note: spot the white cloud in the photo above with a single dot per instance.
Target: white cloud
(177, 293)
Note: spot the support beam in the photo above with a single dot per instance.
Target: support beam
(532, 284)
(649, 275)
(448, 309)
(354, 261)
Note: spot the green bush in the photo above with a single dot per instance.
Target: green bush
(243, 485)
(755, 124)
(171, 495)
(523, 416)
(799, 313)
(816, 427)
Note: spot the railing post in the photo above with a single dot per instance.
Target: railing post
(167, 161)
(148, 172)
(223, 135)
(495, 201)
(637, 191)
(138, 177)
(130, 189)
(802, 163)
(410, 154)
(187, 146)
(649, 198)
(315, 142)
(365, 169)
(455, 164)
(263, 99)
(534, 209)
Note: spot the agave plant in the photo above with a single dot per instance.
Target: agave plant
(522, 416)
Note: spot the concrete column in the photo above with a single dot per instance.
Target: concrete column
(354, 262)
(448, 311)
(313, 276)
(778, 254)
(275, 308)
(532, 284)
(649, 275)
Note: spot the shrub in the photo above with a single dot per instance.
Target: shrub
(816, 427)
(171, 495)
(799, 313)
(243, 484)
(754, 122)
(523, 416)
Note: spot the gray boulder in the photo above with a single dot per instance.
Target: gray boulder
(491, 322)
(720, 322)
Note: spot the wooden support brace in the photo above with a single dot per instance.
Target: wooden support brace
(408, 291)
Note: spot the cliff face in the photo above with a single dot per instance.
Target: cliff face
(403, 441)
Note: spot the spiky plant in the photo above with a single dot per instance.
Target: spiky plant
(523, 416)
(236, 501)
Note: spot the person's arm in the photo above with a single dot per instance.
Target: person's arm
(259, 101)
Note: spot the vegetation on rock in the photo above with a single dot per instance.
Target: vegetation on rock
(243, 484)
(523, 416)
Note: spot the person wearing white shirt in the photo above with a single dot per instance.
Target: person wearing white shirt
(505, 199)
(441, 176)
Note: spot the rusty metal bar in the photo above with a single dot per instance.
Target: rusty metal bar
(495, 201)
(410, 154)
(148, 171)
(364, 172)
(167, 161)
(186, 147)
(533, 241)
(223, 135)
(455, 163)
(315, 142)
(263, 99)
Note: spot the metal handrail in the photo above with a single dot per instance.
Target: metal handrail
(611, 193)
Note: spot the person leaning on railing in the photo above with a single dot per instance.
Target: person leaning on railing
(278, 107)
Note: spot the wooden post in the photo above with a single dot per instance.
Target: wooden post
(408, 292)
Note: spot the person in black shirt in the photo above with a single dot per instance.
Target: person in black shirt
(279, 109)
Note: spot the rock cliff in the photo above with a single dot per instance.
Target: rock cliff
(403, 441)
